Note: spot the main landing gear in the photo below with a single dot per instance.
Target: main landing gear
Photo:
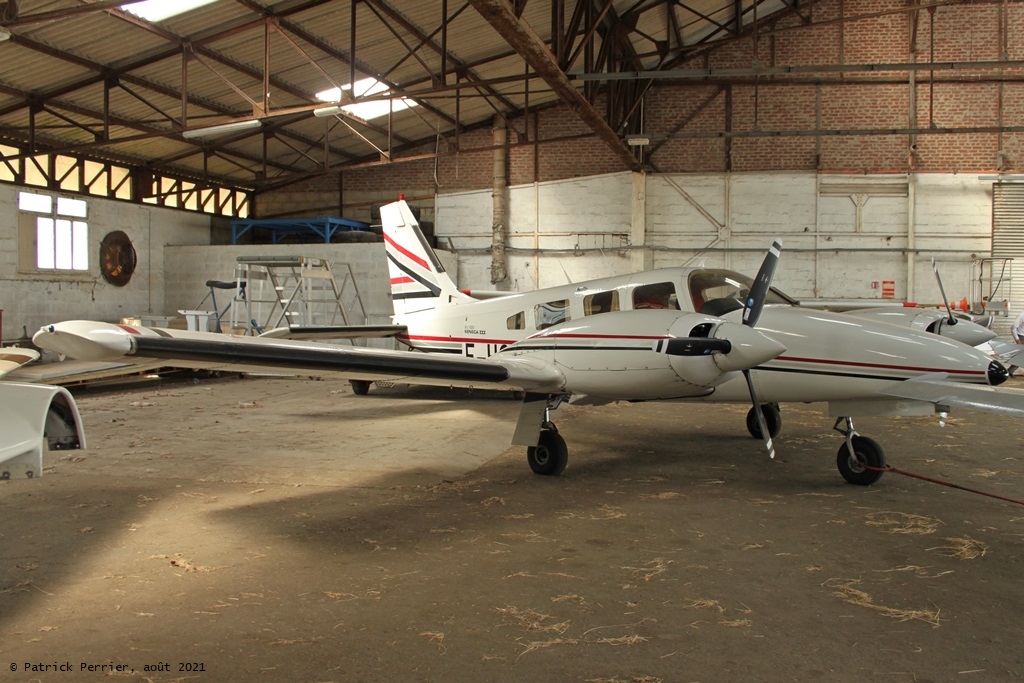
(772, 418)
(360, 387)
(860, 460)
(550, 456)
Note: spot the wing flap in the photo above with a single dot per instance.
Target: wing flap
(308, 332)
(309, 358)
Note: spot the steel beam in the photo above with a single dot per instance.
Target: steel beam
(500, 15)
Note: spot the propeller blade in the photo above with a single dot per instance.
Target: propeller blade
(763, 281)
(694, 346)
(765, 434)
(935, 269)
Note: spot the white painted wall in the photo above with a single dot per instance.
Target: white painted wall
(833, 249)
(31, 300)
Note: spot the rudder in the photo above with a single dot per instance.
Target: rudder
(418, 280)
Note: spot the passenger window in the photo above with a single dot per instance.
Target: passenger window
(659, 295)
(551, 313)
(517, 321)
(602, 302)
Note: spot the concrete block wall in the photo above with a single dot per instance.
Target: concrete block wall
(837, 243)
(30, 300)
(191, 266)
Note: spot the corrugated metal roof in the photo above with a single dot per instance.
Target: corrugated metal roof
(69, 66)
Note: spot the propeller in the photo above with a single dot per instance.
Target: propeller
(694, 346)
(935, 269)
(751, 313)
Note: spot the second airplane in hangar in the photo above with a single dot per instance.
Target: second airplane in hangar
(675, 334)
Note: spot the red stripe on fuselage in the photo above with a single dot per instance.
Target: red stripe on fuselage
(792, 359)
(572, 335)
(408, 254)
(458, 340)
(880, 366)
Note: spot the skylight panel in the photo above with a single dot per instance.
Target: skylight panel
(366, 87)
(158, 10)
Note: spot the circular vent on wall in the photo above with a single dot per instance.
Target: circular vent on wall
(117, 258)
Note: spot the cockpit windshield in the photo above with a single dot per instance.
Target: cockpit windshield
(717, 292)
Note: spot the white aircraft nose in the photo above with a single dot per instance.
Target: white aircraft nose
(750, 348)
(84, 340)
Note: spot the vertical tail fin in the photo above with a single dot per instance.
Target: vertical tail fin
(418, 280)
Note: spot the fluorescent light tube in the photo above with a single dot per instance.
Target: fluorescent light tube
(232, 127)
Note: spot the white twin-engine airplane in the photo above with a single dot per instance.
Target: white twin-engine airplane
(692, 334)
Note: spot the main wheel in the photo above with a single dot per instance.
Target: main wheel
(360, 387)
(550, 455)
(867, 452)
(772, 418)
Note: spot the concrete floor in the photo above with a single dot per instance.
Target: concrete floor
(287, 530)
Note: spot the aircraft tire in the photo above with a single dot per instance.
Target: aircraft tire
(550, 456)
(360, 387)
(772, 418)
(869, 453)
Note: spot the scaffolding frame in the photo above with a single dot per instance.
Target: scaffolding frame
(294, 291)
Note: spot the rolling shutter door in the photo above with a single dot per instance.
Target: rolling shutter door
(1008, 242)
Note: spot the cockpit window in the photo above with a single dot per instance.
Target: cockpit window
(658, 295)
(717, 292)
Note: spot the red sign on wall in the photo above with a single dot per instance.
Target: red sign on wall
(888, 289)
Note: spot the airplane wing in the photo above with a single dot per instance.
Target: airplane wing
(928, 388)
(13, 357)
(1006, 351)
(88, 340)
(335, 332)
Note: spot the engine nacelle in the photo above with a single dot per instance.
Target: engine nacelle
(648, 354)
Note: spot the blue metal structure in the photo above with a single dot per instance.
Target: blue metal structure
(324, 227)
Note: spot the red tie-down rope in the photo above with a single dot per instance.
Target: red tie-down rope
(890, 468)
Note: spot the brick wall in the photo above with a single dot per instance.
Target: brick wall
(774, 119)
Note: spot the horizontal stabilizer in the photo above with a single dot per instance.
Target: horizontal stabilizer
(13, 357)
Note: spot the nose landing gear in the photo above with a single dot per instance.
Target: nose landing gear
(550, 455)
(860, 460)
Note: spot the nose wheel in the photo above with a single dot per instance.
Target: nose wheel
(860, 460)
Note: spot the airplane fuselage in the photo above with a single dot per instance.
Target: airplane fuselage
(828, 356)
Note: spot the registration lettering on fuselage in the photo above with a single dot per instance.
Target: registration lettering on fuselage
(481, 350)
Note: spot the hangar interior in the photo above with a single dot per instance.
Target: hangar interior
(587, 138)
(542, 143)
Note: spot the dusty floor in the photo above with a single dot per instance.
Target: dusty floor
(287, 530)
